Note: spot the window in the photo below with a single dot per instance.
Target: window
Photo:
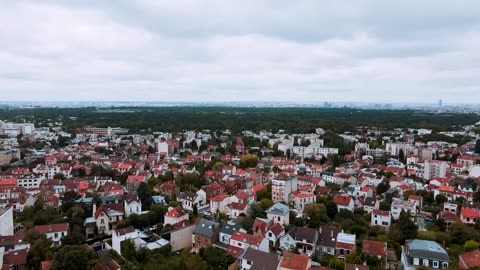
(56, 235)
(425, 262)
(445, 264)
(416, 261)
(249, 262)
(435, 264)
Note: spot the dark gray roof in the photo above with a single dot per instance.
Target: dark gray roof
(427, 250)
(111, 198)
(261, 260)
(301, 233)
(206, 228)
(189, 196)
(328, 236)
(369, 201)
(230, 228)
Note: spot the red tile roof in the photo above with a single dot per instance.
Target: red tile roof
(175, 212)
(470, 212)
(381, 212)
(294, 261)
(342, 200)
(254, 240)
(125, 230)
(469, 260)
(15, 257)
(44, 229)
(370, 247)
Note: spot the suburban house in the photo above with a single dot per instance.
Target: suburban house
(376, 249)
(381, 218)
(255, 259)
(55, 232)
(189, 200)
(423, 252)
(133, 181)
(6, 221)
(469, 215)
(219, 203)
(205, 234)
(327, 239)
(399, 205)
(175, 215)
(305, 240)
(344, 202)
(132, 205)
(274, 234)
(139, 239)
(291, 261)
(107, 217)
(168, 189)
(469, 260)
(279, 213)
(345, 244)
(240, 241)
(227, 230)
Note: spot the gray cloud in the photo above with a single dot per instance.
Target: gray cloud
(201, 50)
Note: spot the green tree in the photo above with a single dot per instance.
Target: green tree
(128, 250)
(317, 215)
(332, 209)
(477, 147)
(401, 156)
(40, 249)
(74, 258)
(265, 204)
(382, 187)
(215, 258)
(60, 176)
(249, 161)
(471, 245)
(75, 237)
(404, 229)
(440, 199)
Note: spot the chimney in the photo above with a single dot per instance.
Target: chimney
(406, 247)
(94, 209)
(331, 233)
(320, 229)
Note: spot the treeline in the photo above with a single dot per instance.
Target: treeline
(292, 120)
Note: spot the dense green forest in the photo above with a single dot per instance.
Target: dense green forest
(238, 119)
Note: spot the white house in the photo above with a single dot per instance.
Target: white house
(189, 199)
(381, 218)
(399, 205)
(132, 206)
(137, 237)
(274, 234)
(219, 203)
(55, 232)
(175, 215)
(279, 213)
(6, 221)
(417, 253)
(344, 202)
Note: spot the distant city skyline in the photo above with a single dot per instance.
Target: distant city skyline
(249, 51)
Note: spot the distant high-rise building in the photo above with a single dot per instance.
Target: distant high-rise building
(440, 103)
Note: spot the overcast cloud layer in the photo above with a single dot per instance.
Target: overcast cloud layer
(248, 50)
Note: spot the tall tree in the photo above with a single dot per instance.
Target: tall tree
(74, 258)
(332, 209)
(477, 147)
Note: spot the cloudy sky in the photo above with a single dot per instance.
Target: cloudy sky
(250, 50)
